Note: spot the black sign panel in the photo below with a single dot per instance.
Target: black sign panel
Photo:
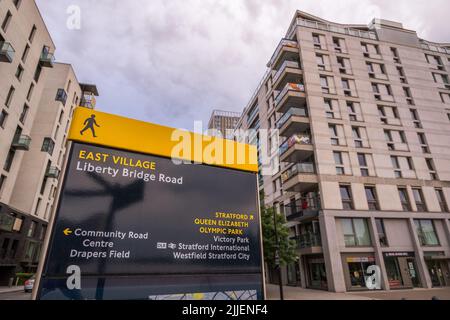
(128, 214)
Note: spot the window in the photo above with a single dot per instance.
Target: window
(404, 199)
(370, 68)
(32, 229)
(48, 145)
(61, 115)
(30, 92)
(351, 111)
(441, 199)
(371, 196)
(329, 109)
(9, 160)
(324, 84)
(32, 34)
(25, 53)
(375, 88)
(396, 166)
(426, 233)
(339, 163)
(6, 21)
(316, 41)
(3, 117)
(362, 160)
(407, 92)
(415, 118)
(431, 168)
(394, 52)
(346, 196)
(401, 74)
(37, 73)
(356, 232)
(19, 72)
(381, 232)
(357, 137)
(346, 87)
(9, 97)
(17, 3)
(423, 142)
(2, 182)
(320, 62)
(337, 44)
(23, 115)
(334, 135)
(418, 198)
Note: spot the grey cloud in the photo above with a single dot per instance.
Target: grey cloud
(172, 62)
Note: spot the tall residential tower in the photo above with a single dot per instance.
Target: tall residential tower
(37, 97)
(362, 160)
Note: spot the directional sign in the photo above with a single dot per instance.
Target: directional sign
(130, 225)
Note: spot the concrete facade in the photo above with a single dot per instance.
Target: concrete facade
(37, 97)
(361, 158)
(223, 121)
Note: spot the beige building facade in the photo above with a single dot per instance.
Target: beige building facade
(223, 121)
(37, 97)
(361, 160)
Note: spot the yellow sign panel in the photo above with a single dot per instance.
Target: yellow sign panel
(113, 131)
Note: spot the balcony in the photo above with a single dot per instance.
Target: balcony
(52, 173)
(61, 95)
(289, 72)
(47, 59)
(88, 100)
(286, 50)
(294, 120)
(301, 177)
(292, 96)
(297, 148)
(21, 142)
(309, 242)
(6, 52)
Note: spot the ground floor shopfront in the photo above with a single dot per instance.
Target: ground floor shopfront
(21, 237)
(399, 268)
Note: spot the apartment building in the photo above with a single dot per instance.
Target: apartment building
(37, 96)
(224, 121)
(361, 159)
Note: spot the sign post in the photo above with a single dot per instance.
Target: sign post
(131, 223)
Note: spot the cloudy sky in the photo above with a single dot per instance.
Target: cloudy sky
(174, 61)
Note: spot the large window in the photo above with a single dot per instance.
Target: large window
(426, 233)
(381, 232)
(346, 196)
(404, 199)
(356, 232)
(418, 198)
(371, 196)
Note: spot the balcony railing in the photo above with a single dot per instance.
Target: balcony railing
(435, 48)
(286, 64)
(52, 172)
(333, 28)
(283, 43)
(47, 59)
(298, 168)
(292, 112)
(302, 139)
(88, 101)
(6, 52)
(297, 87)
(308, 240)
(61, 95)
(21, 142)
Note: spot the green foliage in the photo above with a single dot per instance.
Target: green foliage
(287, 247)
(23, 277)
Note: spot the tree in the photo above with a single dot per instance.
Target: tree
(287, 247)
